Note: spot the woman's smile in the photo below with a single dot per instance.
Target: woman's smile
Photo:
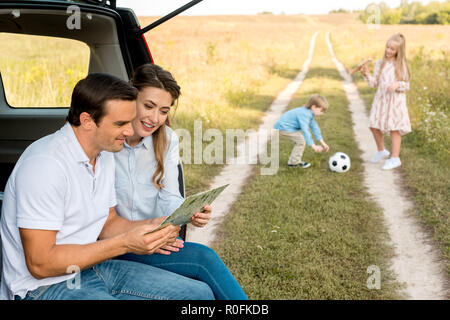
(148, 126)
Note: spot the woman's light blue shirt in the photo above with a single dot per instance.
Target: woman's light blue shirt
(300, 119)
(137, 197)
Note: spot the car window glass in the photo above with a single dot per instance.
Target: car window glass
(39, 71)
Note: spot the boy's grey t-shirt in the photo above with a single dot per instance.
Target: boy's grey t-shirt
(53, 187)
(300, 119)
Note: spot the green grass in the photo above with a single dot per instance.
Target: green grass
(246, 115)
(310, 234)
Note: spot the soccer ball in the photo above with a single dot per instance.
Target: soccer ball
(339, 162)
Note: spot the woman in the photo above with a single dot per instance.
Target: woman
(147, 184)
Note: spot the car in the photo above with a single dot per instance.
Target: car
(116, 45)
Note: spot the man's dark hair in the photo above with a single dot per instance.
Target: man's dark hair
(91, 94)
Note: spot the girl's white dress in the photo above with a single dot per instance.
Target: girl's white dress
(389, 111)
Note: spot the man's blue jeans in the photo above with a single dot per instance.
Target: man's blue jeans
(125, 280)
(199, 262)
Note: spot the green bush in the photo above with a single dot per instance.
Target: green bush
(391, 17)
(409, 13)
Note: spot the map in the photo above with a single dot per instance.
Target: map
(193, 204)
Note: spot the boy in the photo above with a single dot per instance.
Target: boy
(294, 120)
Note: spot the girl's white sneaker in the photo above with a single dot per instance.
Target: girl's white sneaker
(380, 155)
(391, 163)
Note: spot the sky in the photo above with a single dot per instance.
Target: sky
(213, 7)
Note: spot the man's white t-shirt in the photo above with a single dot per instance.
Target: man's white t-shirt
(53, 187)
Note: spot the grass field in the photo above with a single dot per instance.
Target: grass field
(297, 234)
(425, 151)
(310, 234)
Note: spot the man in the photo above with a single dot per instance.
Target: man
(58, 211)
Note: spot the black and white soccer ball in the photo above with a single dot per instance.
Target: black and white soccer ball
(339, 162)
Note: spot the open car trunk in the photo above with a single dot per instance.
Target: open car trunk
(115, 44)
(102, 29)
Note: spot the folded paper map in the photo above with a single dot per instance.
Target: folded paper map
(193, 204)
(360, 65)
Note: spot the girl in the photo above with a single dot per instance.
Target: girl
(389, 113)
(147, 184)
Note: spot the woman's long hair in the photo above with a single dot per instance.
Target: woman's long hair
(402, 72)
(152, 75)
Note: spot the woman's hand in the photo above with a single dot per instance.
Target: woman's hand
(201, 219)
(393, 87)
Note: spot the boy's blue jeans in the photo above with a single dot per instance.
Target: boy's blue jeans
(196, 261)
(151, 277)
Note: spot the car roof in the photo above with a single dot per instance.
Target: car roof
(102, 3)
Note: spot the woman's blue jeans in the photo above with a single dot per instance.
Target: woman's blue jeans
(196, 261)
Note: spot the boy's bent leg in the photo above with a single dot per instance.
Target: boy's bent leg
(299, 147)
(134, 281)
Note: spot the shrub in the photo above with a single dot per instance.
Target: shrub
(409, 13)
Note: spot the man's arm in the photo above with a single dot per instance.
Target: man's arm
(44, 258)
(116, 224)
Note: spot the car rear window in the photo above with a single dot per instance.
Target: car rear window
(40, 71)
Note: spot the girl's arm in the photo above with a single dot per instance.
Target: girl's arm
(372, 79)
(398, 86)
(403, 86)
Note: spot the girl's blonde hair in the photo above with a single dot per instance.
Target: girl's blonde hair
(402, 72)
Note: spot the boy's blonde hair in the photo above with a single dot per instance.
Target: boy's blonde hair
(318, 101)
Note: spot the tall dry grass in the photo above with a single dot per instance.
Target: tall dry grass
(226, 64)
(41, 71)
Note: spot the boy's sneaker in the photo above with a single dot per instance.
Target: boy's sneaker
(380, 155)
(302, 165)
(391, 163)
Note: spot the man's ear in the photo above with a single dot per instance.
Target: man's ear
(86, 121)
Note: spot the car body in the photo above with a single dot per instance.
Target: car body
(116, 45)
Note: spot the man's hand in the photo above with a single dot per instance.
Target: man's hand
(140, 241)
(174, 247)
(201, 219)
(317, 148)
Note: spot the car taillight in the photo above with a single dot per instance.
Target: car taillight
(145, 41)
